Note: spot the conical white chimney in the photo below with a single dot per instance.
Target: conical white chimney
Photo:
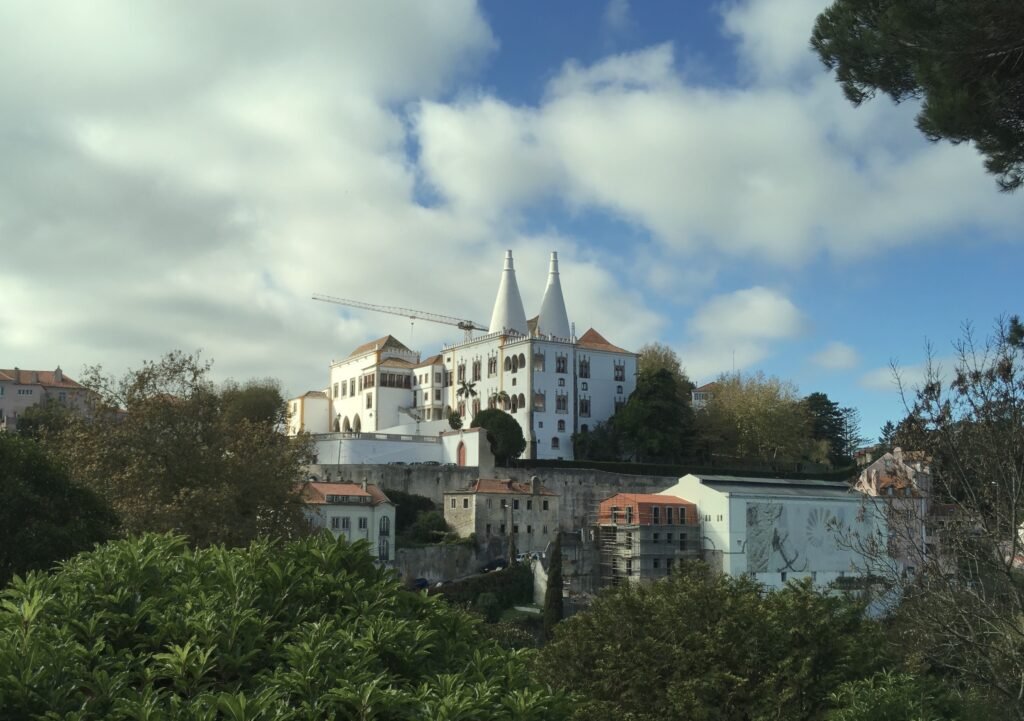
(553, 319)
(508, 312)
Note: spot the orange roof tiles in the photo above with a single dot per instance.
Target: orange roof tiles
(595, 341)
(40, 378)
(316, 492)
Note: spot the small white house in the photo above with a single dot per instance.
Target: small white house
(775, 530)
(357, 511)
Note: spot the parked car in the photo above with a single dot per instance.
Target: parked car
(431, 463)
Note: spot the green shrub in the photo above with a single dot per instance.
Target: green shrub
(487, 604)
(148, 628)
(511, 586)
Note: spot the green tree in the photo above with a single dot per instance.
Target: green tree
(553, 610)
(256, 401)
(887, 436)
(888, 696)
(708, 646)
(827, 425)
(503, 433)
(653, 357)
(454, 420)
(160, 449)
(600, 443)
(44, 420)
(44, 518)
(961, 59)
(654, 425)
(755, 418)
(147, 628)
(962, 609)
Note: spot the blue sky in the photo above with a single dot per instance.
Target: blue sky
(186, 177)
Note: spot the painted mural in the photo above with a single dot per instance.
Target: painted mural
(796, 537)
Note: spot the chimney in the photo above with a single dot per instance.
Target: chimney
(553, 320)
(508, 314)
(58, 375)
(364, 484)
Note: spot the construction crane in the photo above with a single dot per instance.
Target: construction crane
(413, 315)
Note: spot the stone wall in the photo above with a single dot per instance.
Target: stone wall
(580, 489)
(443, 562)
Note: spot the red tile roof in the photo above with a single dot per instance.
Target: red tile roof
(706, 387)
(494, 485)
(388, 342)
(39, 378)
(432, 360)
(316, 492)
(595, 341)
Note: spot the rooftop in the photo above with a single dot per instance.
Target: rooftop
(54, 378)
(595, 341)
(388, 342)
(775, 486)
(495, 485)
(316, 492)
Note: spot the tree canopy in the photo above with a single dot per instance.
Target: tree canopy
(44, 518)
(655, 356)
(963, 60)
(169, 452)
(147, 628)
(503, 432)
(655, 425)
(705, 646)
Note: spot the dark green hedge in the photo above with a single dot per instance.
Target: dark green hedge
(512, 585)
(675, 471)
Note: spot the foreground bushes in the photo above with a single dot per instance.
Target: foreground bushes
(149, 629)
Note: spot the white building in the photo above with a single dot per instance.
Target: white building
(21, 389)
(308, 413)
(776, 530)
(356, 511)
(552, 382)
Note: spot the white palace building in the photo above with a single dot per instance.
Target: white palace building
(394, 401)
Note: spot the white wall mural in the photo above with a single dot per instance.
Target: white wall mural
(797, 537)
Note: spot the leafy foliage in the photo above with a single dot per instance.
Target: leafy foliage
(170, 453)
(702, 646)
(503, 432)
(44, 420)
(44, 518)
(510, 586)
(655, 425)
(553, 602)
(760, 418)
(653, 357)
(963, 59)
(898, 697)
(149, 629)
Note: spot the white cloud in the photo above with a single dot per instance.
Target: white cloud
(616, 16)
(738, 329)
(836, 356)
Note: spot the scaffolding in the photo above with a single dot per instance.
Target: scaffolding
(634, 547)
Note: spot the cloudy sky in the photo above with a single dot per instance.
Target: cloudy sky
(187, 175)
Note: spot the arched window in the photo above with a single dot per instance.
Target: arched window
(460, 454)
(346, 426)
(356, 424)
(554, 443)
(508, 364)
(522, 360)
(515, 363)
(385, 526)
(561, 425)
(515, 404)
(522, 401)
(337, 424)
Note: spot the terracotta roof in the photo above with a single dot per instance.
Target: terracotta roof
(38, 378)
(494, 485)
(658, 498)
(316, 492)
(5, 377)
(314, 394)
(388, 342)
(398, 363)
(432, 360)
(595, 341)
(706, 387)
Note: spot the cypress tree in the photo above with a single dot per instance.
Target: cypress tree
(553, 594)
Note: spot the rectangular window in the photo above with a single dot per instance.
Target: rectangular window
(465, 503)
(554, 443)
(539, 402)
(344, 524)
(561, 364)
(538, 361)
(515, 528)
(545, 505)
(362, 523)
(657, 515)
(503, 529)
(620, 372)
(335, 390)
(335, 522)
(369, 400)
(488, 529)
(476, 370)
(488, 502)
(453, 503)
(655, 537)
(562, 403)
(682, 516)
(515, 504)
(655, 564)
(584, 407)
(668, 515)
(545, 531)
(529, 505)
(529, 529)
(584, 367)
(668, 565)
(437, 395)
(668, 538)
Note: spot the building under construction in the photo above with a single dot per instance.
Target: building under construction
(644, 536)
